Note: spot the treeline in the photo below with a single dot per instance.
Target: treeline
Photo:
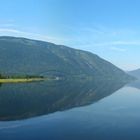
(19, 76)
(1, 76)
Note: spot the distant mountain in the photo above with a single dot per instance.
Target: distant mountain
(135, 84)
(26, 56)
(135, 73)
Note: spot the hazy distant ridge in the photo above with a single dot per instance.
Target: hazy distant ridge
(135, 73)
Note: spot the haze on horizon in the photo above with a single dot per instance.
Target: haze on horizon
(107, 28)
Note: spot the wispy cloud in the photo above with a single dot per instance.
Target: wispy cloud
(100, 36)
(118, 49)
(126, 43)
(118, 43)
(16, 32)
(6, 30)
(7, 25)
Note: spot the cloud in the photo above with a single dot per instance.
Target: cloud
(15, 32)
(118, 49)
(126, 43)
(100, 36)
(7, 25)
(118, 43)
(5, 30)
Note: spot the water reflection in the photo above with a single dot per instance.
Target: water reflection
(25, 100)
(135, 84)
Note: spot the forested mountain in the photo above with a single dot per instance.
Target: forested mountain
(26, 56)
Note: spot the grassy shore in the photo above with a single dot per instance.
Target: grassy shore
(21, 80)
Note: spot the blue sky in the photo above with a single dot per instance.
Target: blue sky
(109, 28)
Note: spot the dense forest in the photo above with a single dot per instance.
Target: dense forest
(19, 76)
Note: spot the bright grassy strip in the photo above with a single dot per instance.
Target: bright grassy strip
(20, 80)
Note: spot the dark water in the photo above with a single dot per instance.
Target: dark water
(70, 110)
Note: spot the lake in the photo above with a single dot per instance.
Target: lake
(70, 110)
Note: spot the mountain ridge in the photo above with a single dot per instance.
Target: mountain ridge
(135, 73)
(22, 55)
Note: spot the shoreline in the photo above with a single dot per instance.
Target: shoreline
(21, 80)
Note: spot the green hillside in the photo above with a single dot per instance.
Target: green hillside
(24, 56)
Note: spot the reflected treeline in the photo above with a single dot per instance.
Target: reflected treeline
(25, 100)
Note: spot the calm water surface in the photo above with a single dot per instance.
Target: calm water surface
(109, 111)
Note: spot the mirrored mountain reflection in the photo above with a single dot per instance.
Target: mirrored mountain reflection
(135, 84)
(21, 101)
